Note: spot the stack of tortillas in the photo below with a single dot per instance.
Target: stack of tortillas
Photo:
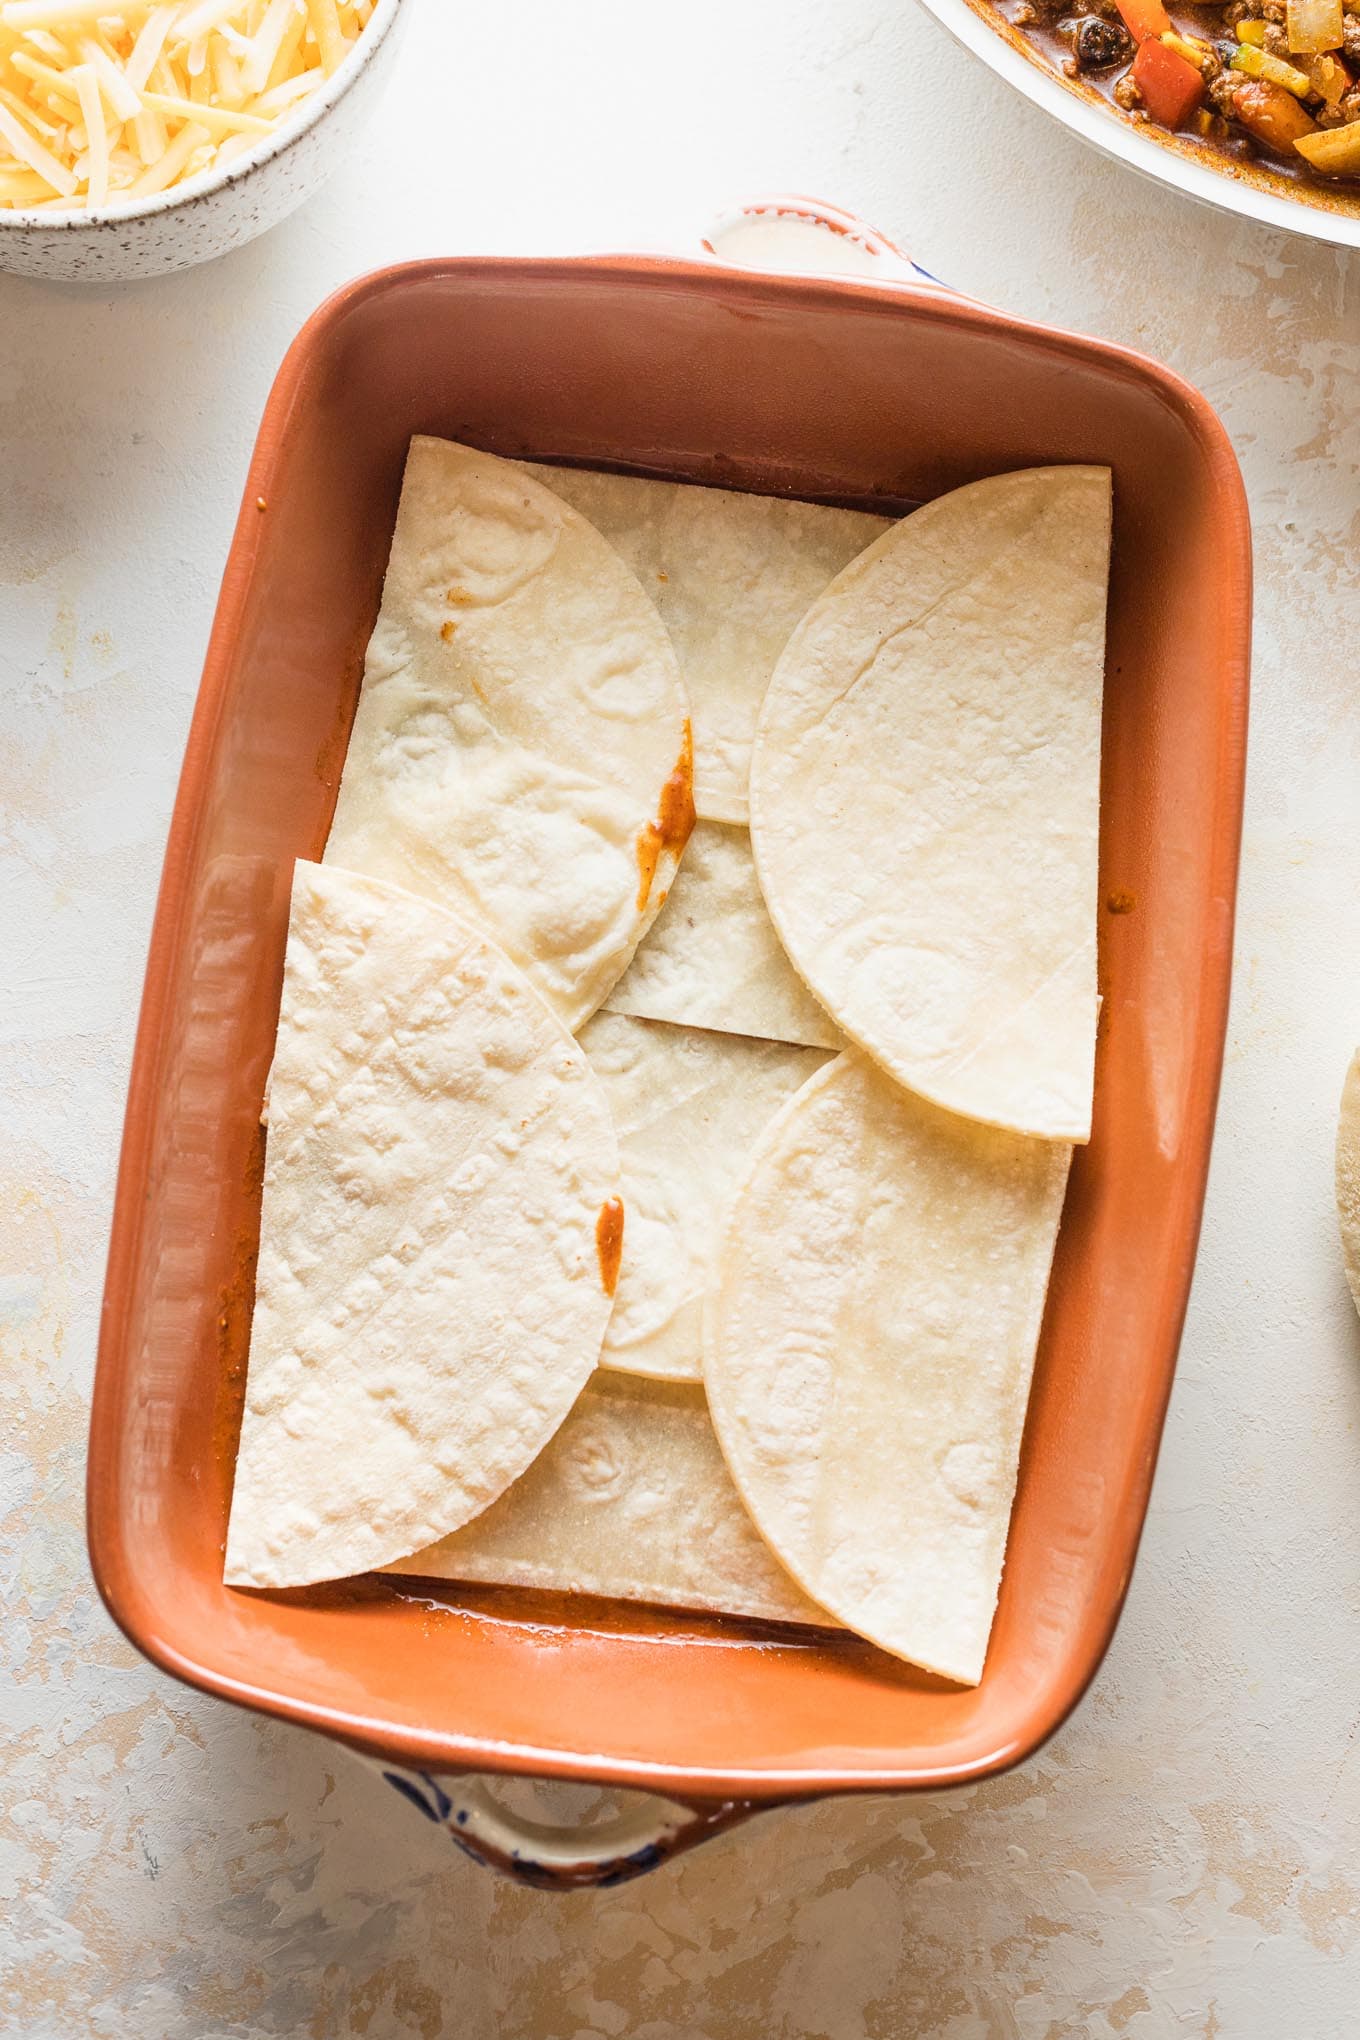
(834, 1092)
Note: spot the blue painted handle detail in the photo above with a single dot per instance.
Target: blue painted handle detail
(551, 1858)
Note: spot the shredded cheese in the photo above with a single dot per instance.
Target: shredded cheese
(265, 43)
(28, 149)
(330, 36)
(107, 101)
(124, 104)
(94, 173)
(147, 48)
(172, 165)
(220, 120)
(209, 14)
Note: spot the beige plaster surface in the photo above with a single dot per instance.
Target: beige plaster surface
(1184, 1858)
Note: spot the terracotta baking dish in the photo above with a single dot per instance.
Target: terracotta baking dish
(843, 390)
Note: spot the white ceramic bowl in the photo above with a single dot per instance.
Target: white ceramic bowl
(223, 208)
(1318, 214)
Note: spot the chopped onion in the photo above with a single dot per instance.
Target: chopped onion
(1314, 25)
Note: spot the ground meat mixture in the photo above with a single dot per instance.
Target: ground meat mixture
(1273, 79)
(1221, 93)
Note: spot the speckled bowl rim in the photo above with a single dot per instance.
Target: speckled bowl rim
(313, 109)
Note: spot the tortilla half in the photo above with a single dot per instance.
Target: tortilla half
(1348, 1176)
(430, 1297)
(521, 748)
(687, 1109)
(713, 958)
(731, 574)
(925, 797)
(869, 1338)
(630, 1500)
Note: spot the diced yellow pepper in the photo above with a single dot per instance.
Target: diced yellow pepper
(1188, 46)
(1260, 64)
(1333, 150)
(1253, 32)
(1314, 25)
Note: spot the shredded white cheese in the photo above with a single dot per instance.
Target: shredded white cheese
(106, 101)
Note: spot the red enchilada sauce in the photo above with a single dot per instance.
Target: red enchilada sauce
(674, 819)
(609, 1242)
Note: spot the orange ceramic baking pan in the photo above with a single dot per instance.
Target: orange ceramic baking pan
(841, 390)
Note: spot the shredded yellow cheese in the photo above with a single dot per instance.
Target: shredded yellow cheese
(107, 101)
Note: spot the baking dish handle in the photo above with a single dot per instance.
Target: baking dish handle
(809, 237)
(644, 1833)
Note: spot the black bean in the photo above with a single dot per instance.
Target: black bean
(1098, 44)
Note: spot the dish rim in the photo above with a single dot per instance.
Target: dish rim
(114, 1571)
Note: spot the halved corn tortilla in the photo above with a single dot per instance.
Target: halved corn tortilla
(687, 1106)
(869, 1338)
(713, 958)
(630, 1500)
(431, 1297)
(731, 574)
(521, 749)
(1348, 1176)
(925, 792)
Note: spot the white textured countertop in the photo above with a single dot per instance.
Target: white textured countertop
(1182, 1859)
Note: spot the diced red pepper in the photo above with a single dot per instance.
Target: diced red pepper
(1144, 18)
(1172, 88)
